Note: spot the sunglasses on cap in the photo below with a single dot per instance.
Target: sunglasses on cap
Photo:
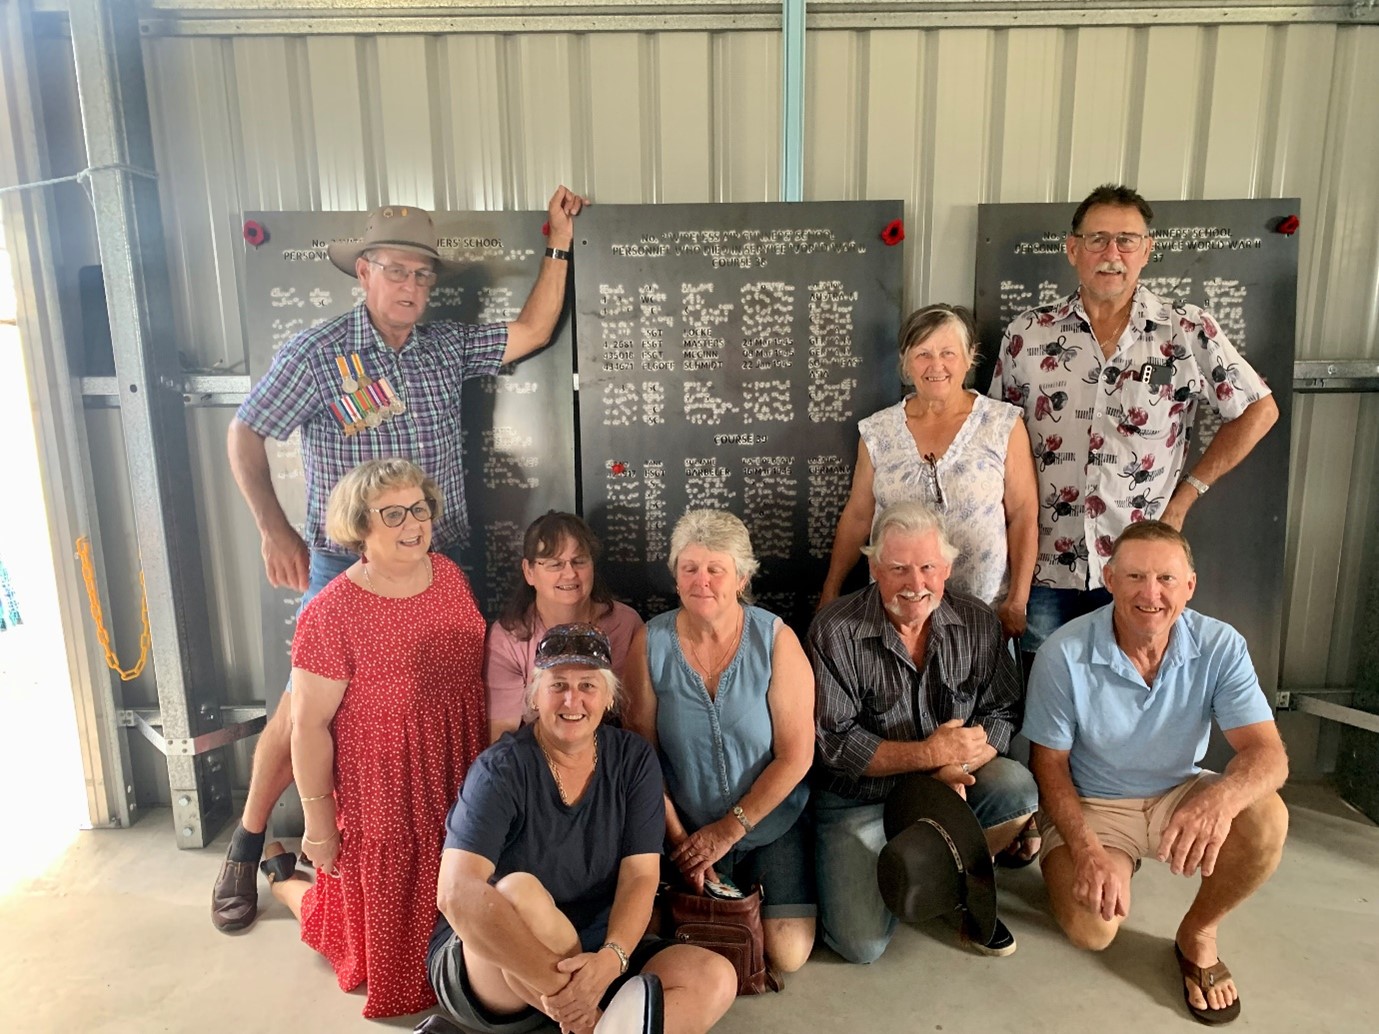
(574, 644)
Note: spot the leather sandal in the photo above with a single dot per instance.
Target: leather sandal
(1206, 978)
(280, 867)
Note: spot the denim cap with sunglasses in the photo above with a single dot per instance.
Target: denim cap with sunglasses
(574, 644)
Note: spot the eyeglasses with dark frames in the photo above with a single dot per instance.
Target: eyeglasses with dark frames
(400, 274)
(393, 516)
(1097, 242)
(554, 566)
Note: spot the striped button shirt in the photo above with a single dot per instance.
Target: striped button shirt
(869, 689)
(428, 372)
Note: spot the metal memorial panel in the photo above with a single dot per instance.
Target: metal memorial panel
(1230, 258)
(518, 427)
(726, 353)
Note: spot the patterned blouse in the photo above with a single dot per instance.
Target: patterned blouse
(967, 484)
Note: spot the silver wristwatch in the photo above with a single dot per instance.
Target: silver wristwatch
(617, 950)
(1198, 485)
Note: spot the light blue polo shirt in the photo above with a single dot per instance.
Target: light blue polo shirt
(1125, 738)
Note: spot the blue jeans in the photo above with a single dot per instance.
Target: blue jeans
(1048, 610)
(856, 922)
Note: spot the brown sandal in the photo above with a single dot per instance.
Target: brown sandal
(1013, 857)
(1206, 978)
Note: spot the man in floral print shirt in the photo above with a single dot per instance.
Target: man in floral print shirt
(1109, 379)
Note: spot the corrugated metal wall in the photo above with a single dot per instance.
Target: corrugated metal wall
(942, 118)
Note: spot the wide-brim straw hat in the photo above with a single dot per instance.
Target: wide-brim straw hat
(935, 860)
(397, 227)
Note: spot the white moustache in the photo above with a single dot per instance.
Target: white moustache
(1110, 267)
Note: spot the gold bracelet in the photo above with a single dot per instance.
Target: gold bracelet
(318, 797)
(318, 843)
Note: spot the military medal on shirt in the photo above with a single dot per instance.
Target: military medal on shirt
(367, 402)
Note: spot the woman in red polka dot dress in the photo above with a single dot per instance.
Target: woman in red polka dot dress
(388, 713)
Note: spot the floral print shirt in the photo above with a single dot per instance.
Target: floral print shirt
(1110, 436)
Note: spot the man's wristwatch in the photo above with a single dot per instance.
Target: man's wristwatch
(1198, 485)
(622, 955)
(559, 254)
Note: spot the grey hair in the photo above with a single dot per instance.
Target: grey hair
(610, 680)
(719, 532)
(924, 323)
(909, 518)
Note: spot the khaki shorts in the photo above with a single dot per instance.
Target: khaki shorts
(1134, 825)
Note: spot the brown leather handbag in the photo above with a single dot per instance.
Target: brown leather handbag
(732, 928)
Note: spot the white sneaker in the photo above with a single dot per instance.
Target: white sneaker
(637, 1008)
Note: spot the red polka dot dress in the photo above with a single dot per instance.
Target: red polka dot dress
(411, 721)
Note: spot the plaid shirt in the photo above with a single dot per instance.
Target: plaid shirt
(428, 373)
(870, 690)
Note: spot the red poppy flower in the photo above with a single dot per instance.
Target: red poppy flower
(254, 232)
(618, 467)
(1064, 545)
(1095, 507)
(1136, 516)
(545, 229)
(894, 233)
(1052, 443)
(1137, 416)
(1068, 494)
(1288, 225)
(1096, 442)
(1224, 390)
(1103, 545)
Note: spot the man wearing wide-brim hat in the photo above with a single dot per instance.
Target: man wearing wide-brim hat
(373, 383)
(912, 677)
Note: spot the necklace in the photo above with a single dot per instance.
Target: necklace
(430, 574)
(1111, 341)
(555, 772)
(712, 672)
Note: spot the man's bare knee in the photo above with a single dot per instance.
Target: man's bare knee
(1264, 824)
(1088, 931)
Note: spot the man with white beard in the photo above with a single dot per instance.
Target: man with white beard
(909, 678)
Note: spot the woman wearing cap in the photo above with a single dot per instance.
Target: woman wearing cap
(729, 703)
(551, 863)
(964, 454)
(387, 715)
(560, 585)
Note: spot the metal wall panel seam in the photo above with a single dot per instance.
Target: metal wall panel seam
(793, 53)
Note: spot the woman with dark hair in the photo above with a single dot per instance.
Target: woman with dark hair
(560, 586)
(965, 455)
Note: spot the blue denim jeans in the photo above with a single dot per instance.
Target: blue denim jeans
(856, 922)
(1048, 610)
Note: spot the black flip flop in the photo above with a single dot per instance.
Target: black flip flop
(280, 867)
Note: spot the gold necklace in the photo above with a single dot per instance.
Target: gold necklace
(430, 575)
(555, 772)
(726, 658)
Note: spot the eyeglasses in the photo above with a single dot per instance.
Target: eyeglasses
(932, 461)
(400, 274)
(1125, 242)
(575, 563)
(393, 516)
(573, 643)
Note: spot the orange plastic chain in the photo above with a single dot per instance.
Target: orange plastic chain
(93, 597)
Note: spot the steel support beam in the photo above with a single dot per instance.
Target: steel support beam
(792, 100)
(129, 229)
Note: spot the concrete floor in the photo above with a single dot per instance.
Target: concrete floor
(115, 936)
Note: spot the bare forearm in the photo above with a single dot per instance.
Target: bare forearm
(1059, 801)
(627, 921)
(536, 322)
(848, 541)
(774, 784)
(896, 757)
(1251, 776)
(1022, 543)
(313, 770)
(249, 465)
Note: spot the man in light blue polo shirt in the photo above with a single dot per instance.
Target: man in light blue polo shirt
(1118, 714)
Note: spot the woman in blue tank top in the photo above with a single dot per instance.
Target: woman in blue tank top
(724, 691)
